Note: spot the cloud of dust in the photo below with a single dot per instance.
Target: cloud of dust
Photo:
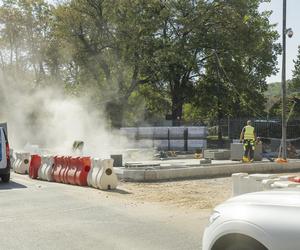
(53, 120)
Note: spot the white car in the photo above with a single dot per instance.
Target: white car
(256, 221)
(4, 155)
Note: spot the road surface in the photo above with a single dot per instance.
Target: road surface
(44, 215)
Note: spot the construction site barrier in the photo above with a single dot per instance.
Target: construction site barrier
(244, 183)
(46, 169)
(102, 175)
(95, 169)
(35, 164)
(83, 167)
(21, 163)
(58, 161)
(64, 169)
(71, 170)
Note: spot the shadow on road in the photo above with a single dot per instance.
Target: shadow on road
(11, 185)
(119, 191)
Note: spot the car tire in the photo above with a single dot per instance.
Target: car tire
(238, 242)
(243, 246)
(5, 178)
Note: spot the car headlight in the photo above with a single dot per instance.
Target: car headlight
(215, 215)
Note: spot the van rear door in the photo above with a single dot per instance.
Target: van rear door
(3, 158)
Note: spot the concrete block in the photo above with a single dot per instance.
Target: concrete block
(118, 160)
(197, 132)
(237, 152)
(177, 132)
(160, 133)
(150, 175)
(176, 144)
(145, 132)
(205, 161)
(219, 154)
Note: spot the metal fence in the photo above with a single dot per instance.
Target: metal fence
(266, 128)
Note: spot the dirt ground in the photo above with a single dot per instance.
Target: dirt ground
(187, 194)
(193, 194)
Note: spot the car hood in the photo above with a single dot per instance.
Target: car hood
(283, 197)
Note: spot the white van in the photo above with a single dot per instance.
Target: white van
(4, 156)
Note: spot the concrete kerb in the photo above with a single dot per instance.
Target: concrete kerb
(152, 174)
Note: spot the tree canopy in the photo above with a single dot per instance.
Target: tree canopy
(143, 60)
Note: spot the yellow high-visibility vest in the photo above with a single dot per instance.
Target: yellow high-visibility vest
(249, 133)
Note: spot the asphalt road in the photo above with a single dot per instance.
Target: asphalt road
(44, 215)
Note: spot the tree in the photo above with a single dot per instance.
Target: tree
(175, 58)
(295, 86)
(24, 36)
(107, 40)
(245, 52)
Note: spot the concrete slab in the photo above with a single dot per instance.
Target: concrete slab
(203, 171)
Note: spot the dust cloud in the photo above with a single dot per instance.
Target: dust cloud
(47, 117)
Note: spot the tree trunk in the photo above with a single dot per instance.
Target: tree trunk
(220, 134)
(115, 113)
(177, 106)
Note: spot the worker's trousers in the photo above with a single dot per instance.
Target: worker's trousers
(249, 147)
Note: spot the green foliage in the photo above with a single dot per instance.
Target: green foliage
(296, 74)
(197, 60)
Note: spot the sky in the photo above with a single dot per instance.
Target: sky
(293, 21)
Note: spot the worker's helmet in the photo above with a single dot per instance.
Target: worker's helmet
(249, 122)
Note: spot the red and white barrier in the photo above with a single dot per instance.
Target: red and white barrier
(102, 175)
(244, 183)
(21, 164)
(82, 171)
(35, 164)
(46, 169)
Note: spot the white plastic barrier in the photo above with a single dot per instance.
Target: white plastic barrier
(21, 163)
(237, 183)
(284, 184)
(45, 171)
(102, 175)
(244, 183)
(92, 175)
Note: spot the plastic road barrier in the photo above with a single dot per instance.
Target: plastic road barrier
(68, 167)
(83, 167)
(102, 175)
(72, 170)
(58, 161)
(35, 164)
(46, 169)
(21, 164)
(64, 169)
(95, 170)
(107, 179)
(244, 183)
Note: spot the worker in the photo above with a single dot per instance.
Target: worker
(248, 138)
(78, 147)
